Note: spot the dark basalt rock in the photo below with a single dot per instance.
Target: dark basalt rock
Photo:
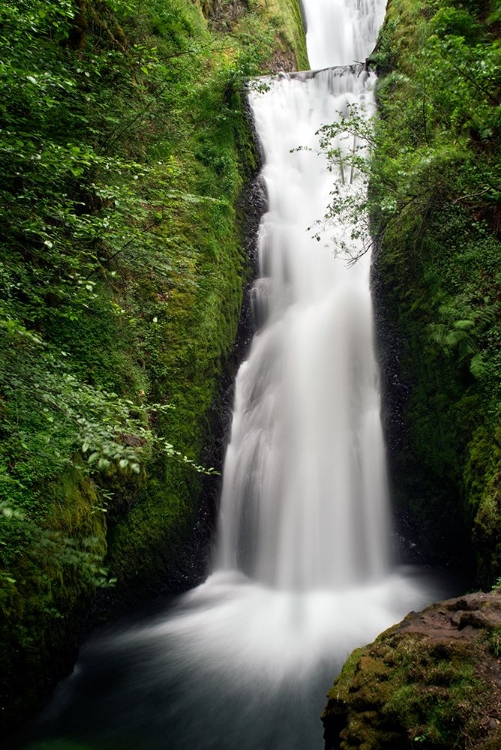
(429, 528)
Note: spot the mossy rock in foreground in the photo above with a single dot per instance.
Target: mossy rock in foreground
(432, 681)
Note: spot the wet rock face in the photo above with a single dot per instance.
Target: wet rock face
(192, 562)
(429, 526)
(432, 681)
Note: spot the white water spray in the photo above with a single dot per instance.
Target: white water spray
(303, 571)
(304, 500)
(341, 32)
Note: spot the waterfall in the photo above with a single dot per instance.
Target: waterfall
(304, 501)
(339, 32)
(303, 572)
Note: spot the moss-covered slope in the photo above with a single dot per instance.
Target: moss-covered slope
(435, 201)
(124, 150)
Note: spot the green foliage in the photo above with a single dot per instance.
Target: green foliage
(123, 149)
(19, 534)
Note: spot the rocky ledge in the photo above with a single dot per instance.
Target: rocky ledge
(432, 681)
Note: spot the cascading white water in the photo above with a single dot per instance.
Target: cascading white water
(303, 573)
(340, 32)
(304, 491)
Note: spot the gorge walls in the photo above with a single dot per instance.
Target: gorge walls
(125, 152)
(435, 215)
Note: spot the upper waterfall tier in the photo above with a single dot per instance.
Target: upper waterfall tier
(339, 32)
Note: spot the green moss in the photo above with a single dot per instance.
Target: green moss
(438, 263)
(404, 690)
(122, 284)
(293, 34)
(55, 567)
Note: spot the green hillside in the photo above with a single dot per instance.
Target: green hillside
(124, 148)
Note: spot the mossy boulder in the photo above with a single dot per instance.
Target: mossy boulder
(432, 681)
